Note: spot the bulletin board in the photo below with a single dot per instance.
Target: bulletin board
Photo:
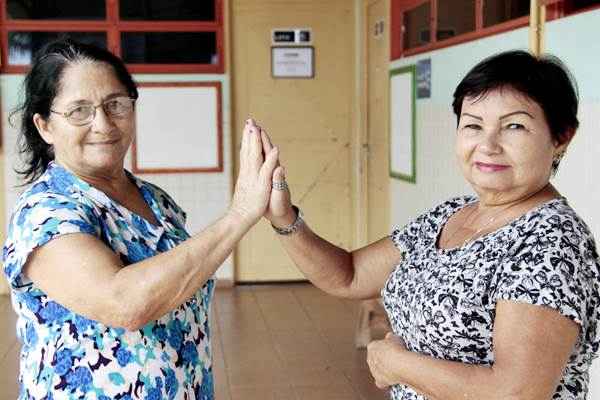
(179, 128)
(403, 123)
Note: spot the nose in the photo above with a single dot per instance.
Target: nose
(101, 122)
(490, 142)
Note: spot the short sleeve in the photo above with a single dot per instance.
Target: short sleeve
(38, 219)
(551, 267)
(425, 228)
(405, 238)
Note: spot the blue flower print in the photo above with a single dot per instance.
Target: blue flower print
(83, 358)
(189, 352)
(63, 361)
(53, 312)
(171, 384)
(31, 336)
(80, 378)
(175, 334)
(123, 356)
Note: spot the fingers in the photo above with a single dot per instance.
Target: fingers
(266, 141)
(389, 335)
(255, 146)
(267, 169)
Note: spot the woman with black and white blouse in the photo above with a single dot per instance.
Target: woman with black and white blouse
(494, 296)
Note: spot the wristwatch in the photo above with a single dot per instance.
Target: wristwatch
(287, 230)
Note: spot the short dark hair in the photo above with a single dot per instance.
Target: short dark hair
(545, 80)
(42, 85)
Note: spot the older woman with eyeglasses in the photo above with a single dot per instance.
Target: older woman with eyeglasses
(111, 292)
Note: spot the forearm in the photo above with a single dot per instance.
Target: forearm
(448, 380)
(159, 284)
(329, 267)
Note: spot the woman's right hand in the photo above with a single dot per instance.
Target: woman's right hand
(253, 187)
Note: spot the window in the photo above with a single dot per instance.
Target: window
(498, 11)
(416, 26)
(563, 8)
(149, 35)
(451, 21)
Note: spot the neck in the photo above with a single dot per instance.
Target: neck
(109, 181)
(500, 201)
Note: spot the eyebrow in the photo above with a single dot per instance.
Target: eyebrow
(501, 117)
(472, 116)
(110, 96)
(517, 112)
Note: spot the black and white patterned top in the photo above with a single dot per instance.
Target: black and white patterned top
(442, 302)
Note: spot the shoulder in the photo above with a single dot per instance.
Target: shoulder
(168, 205)
(427, 224)
(554, 227)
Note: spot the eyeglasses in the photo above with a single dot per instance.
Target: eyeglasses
(83, 114)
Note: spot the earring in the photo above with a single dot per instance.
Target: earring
(556, 162)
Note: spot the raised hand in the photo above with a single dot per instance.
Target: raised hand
(253, 187)
(279, 210)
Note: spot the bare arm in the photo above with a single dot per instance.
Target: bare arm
(357, 274)
(83, 274)
(532, 345)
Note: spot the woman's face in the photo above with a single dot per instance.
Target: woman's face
(96, 148)
(504, 146)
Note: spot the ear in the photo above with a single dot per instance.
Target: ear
(42, 126)
(565, 140)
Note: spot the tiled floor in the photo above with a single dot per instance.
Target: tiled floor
(271, 342)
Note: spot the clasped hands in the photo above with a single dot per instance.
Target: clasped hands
(260, 168)
(258, 193)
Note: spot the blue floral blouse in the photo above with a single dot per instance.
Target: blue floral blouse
(66, 356)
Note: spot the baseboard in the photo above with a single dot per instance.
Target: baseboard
(225, 283)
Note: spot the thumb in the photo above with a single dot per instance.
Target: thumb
(266, 171)
(279, 175)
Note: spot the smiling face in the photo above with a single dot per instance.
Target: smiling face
(504, 145)
(97, 148)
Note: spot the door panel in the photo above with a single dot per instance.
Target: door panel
(309, 119)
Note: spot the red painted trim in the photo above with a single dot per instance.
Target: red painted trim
(113, 26)
(433, 21)
(219, 166)
(396, 22)
(467, 37)
(478, 15)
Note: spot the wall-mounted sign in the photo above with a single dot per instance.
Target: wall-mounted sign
(424, 78)
(291, 36)
(292, 62)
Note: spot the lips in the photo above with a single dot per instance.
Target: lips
(488, 167)
(107, 142)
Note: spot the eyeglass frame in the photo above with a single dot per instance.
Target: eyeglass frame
(66, 114)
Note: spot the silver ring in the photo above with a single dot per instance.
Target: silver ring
(280, 185)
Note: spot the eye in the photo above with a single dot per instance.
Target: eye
(81, 112)
(515, 126)
(472, 127)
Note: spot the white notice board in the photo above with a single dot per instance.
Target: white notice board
(178, 128)
(402, 124)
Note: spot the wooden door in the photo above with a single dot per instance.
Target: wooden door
(378, 181)
(310, 120)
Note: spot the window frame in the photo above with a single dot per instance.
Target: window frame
(113, 26)
(399, 7)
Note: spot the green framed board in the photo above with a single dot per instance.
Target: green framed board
(403, 123)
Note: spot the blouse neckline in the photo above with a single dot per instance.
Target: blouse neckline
(473, 199)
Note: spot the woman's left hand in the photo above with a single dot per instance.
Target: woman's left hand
(381, 356)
